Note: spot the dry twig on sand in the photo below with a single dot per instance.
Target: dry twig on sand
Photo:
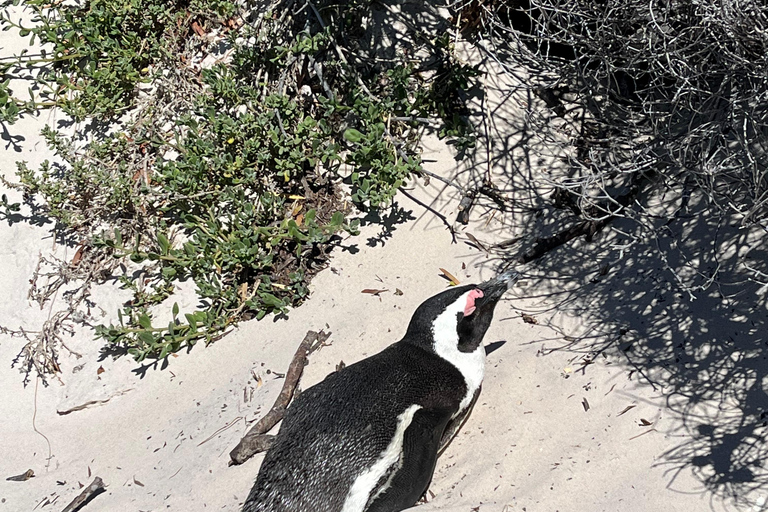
(256, 440)
(96, 486)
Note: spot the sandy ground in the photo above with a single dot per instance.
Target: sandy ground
(548, 433)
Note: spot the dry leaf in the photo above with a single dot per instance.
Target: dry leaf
(450, 277)
(243, 291)
(463, 266)
(22, 477)
(198, 29)
(643, 433)
(627, 408)
(340, 366)
(233, 23)
(137, 482)
(99, 372)
(78, 256)
(529, 319)
(476, 242)
(645, 423)
(373, 291)
(585, 404)
(398, 291)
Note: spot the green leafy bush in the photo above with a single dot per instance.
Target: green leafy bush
(229, 176)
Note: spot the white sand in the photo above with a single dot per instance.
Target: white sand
(160, 439)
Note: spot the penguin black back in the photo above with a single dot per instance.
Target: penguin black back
(366, 438)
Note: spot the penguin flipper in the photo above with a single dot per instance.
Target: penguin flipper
(411, 480)
(455, 425)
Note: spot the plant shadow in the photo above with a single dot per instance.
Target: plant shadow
(387, 220)
(677, 293)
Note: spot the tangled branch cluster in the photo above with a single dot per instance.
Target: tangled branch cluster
(670, 90)
(663, 110)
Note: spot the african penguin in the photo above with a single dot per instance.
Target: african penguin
(366, 439)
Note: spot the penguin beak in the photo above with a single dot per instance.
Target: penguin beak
(478, 312)
(494, 288)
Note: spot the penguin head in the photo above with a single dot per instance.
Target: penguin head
(459, 316)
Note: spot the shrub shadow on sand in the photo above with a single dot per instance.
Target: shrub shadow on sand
(678, 295)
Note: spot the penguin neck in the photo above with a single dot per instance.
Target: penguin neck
(471, 365)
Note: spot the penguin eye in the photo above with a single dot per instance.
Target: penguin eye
(470, 306)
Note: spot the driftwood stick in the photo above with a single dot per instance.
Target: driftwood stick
(96, 486)
(254, 440)
(465, 205)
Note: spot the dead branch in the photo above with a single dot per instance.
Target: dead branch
(96, 486)
(676, 88)
(465, 206)
(254, 440)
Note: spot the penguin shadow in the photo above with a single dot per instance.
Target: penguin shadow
(494, 346)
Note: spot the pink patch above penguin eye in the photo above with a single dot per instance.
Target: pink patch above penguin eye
(469, 308)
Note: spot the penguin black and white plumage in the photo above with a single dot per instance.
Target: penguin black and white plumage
(366, 439)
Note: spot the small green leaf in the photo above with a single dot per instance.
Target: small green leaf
(144, 321)
(353, 135)
(163, 242)
(271, 300)
(192, 321)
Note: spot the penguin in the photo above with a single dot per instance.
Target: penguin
(367, 437)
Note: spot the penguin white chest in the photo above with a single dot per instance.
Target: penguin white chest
(471, 365)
